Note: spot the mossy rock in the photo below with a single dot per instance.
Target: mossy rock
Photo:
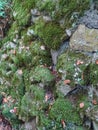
(62, 9)
(68, 67)
(51, 33)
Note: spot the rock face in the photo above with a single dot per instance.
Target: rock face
(84, 39)
(90, 19)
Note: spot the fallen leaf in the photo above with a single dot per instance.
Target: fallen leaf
(63, 123)
(13, 52)
(5, 100)
(67, 81)
(97, 62)
(20, 72)
(46, 98)
(81, 105)
(94, 102)
(79, 62)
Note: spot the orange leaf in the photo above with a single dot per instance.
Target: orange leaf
(67, 81)
(81, 105)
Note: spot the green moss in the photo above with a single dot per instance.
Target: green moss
(94, 74)
(26, 39)
(42, 74)
(36, 49)
(32, 101)
(21, 18)
(29, 4)
(83, 98)
(12, 32)
(63, 109)
(91, 74)
(50, 33)
(40, 56)
(67, 63)
(22, 58)
(48, 5)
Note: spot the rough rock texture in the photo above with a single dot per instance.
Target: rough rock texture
(84, 39)
(90, 19)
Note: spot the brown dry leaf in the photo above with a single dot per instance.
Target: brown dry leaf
(94, 102)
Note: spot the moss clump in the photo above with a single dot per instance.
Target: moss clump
(36, 49)
(14, 30)
(91, 74)
(67, 62)
(18, 7)
(48, 5)
(26, 39)
(32, 101)
(40, 56)
(50, 33)
(94, 74)
(63, 109)
(42, 74)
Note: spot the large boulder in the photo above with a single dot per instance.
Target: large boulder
(84, 39)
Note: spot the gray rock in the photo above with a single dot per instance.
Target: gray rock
(64, 89)
(84, 39)
(35, 18)
(68, 32)
(95, 125)
(62, 21)
(31, 125)
(30, 32)
(47, 18)
(54, 55)
(90, 19)
(35, 12)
